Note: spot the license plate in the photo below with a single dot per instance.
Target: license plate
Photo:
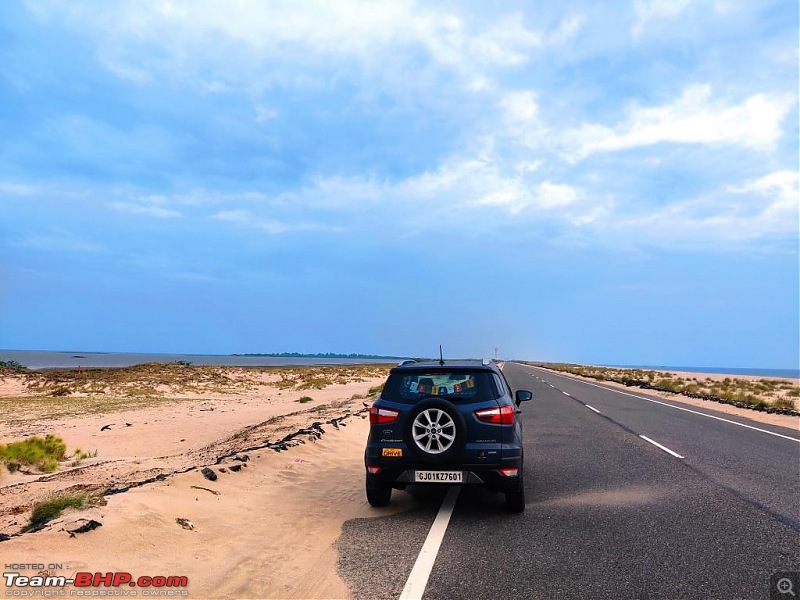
(438, 476)
(392, 452)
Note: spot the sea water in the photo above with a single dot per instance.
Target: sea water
(39, 359)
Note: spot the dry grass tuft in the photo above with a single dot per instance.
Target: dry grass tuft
(42, 453)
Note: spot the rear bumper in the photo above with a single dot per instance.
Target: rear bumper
(399, 476)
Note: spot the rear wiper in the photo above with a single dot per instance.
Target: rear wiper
(426, 396)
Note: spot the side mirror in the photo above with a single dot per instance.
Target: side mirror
(523, 396)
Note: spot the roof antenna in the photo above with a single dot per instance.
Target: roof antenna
(441, 358)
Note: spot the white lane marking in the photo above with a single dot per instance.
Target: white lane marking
(565, 393)
(780, 435)
(592, 408)
(418, 579)
(664, 448)
(551, 385)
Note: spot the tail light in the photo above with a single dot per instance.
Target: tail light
(382, 415)
(510, 472)
(502, 415)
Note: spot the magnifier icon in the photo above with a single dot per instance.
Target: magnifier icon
(785, 586)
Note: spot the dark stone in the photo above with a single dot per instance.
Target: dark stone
(88, 526)
(209, 474)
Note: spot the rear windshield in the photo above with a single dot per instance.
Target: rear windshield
(454, 385)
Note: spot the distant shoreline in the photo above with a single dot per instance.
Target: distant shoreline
(322, 355)
(43, 359)
(63, 359)
(747, 372)
(737, 371)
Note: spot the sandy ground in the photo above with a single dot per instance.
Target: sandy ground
(267, 533)
(264, 529)
(754, 415)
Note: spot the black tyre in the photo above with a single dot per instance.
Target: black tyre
(378, 494)
(435, 431)
(515, 496)
(515, 501)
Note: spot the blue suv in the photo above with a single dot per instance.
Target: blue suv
(451, 422)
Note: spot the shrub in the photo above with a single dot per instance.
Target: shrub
(12, 365)
(750, 399)
(48, 510)
(667, 385)
(304, 399)
(375, 390)
(783, 403)
(43, 453)
(78, 456)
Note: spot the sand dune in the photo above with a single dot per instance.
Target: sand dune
(264, 529)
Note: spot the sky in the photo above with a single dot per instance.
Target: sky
(599, 182)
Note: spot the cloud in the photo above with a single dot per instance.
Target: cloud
(694, 118)
(528, 166)
(553, 195)
(774, 199)
(780, 184)
(244, 217)
(57, 240)
(506, 42)
(515, 196)
(766, 207)
(152, 206)
(272, 226)
(462, 190)
(520, 106)
(486, 191)
(264, 114)
(648, 11)
(567, 30)
(142, 41)
(305, 117)
(9, 188)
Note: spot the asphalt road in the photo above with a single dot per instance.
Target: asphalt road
(609, 514)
